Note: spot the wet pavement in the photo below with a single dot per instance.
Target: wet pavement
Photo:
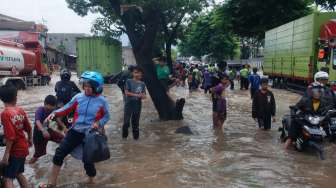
(239, 156)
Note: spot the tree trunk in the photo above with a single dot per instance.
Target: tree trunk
(143, 48)
(166, 107)
(169, 56)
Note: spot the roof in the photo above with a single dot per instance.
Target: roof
(8, 18)
(17, 26)
(11, 23)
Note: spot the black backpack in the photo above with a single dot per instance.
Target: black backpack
(64, 91)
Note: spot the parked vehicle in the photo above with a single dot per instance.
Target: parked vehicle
(22, 65)
(95, 54)
(298, 49)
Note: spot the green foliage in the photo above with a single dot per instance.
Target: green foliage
(327, 4)
(174, 54)
(136, 17)
(251, 18)
(209, 34)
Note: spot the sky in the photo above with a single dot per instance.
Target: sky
(55, 13)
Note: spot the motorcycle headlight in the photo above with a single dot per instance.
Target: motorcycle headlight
(314, 120)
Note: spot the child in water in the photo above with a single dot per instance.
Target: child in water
(16, 125)
(263, 106)
(135, 91)
(42, 135)
(219, 102)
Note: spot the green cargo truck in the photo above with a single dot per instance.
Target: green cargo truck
(94, 54)
(298, 49)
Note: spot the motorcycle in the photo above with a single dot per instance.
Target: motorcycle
(331, 128)
(312, 133)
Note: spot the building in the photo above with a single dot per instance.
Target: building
(15, 24)
(20, 31)
(57, 59)
(128, 57)
(65, 42)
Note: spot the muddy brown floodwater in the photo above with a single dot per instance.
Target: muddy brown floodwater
(240, 156)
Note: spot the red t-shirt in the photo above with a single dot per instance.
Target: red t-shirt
(15, 122)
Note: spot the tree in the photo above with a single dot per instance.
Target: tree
(177, 12)
(252, 18)
(141, 21)
(327, 4)
(209, 34)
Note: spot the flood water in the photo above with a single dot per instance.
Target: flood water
(239, 156)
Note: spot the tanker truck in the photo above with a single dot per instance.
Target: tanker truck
(295, 51)
(21, 65)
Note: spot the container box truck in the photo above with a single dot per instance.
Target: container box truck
(295, 51)
(95, 54)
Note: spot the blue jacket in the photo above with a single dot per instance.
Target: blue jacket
(255, 81)
(88, 110)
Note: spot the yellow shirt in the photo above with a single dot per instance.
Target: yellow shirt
(316, 105)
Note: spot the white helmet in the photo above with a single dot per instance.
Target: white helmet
(321, 75)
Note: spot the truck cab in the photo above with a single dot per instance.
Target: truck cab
(327, 49)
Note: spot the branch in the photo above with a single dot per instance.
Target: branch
(115, 5)
(121, 29)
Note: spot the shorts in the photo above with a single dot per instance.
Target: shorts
(15, 167)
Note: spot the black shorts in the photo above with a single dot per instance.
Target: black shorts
(15, 167)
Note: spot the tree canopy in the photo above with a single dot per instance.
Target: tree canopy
(142, 21)
(251, 18)
(326, 4)
(209, 34)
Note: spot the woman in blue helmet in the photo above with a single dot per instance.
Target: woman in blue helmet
(91, 112)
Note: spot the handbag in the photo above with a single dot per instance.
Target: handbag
(95, 147)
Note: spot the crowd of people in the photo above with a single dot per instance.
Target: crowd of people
(89, 110)
(74, 112)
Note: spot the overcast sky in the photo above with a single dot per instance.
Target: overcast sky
(58, 17)
(55, 13)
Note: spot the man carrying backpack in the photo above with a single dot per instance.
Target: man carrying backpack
(65, 89)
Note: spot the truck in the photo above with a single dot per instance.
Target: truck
(96, 54)
(21, 64)
(295, 51)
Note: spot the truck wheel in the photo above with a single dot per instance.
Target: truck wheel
(45, 81)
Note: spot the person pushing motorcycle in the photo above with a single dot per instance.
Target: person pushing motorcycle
(314, 103)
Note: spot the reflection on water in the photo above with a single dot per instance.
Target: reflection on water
(238, 156)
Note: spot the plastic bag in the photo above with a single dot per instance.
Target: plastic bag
(95, 147)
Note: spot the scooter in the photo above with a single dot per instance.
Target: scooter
(331, 128)
(312, 133)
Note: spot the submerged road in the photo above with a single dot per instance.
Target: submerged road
(239, 156)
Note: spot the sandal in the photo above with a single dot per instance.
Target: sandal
(47, 185)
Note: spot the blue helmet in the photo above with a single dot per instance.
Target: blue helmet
(95, 79)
